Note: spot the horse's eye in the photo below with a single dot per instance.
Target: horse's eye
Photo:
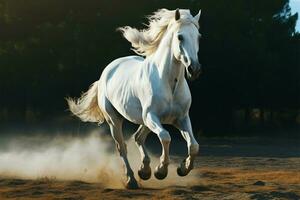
(180, 37)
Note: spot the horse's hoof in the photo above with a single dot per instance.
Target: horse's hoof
(132, 184)
(144, 174)
(159, 175)
(180, 173)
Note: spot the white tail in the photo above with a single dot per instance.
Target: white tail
(86, 107)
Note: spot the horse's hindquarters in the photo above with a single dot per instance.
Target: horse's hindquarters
(119, 80)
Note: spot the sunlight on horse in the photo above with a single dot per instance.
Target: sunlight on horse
(149, 91)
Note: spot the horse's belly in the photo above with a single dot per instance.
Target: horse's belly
(130, 109)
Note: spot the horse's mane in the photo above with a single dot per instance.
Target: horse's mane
(146, 41)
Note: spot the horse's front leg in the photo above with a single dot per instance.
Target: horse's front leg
(185, 127)
(140, 136)
(153, 123)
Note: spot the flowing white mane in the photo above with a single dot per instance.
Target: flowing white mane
(146, 41)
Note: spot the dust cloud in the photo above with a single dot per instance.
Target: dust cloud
(92, 158)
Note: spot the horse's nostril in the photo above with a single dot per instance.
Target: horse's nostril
(190, 69)
(199, 68)
(185, 59)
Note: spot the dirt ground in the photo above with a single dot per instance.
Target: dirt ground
(226, 169)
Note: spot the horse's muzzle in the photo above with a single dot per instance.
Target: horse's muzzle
(194, 70)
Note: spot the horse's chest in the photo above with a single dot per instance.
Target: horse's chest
(172, 110)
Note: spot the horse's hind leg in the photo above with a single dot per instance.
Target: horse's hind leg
(115, 121)
(140, 136)
(116, 132)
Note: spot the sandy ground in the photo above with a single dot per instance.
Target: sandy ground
(248, 178)
(226, 169)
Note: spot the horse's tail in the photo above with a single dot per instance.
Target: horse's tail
(86, 107)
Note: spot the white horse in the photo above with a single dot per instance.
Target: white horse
(149, 91)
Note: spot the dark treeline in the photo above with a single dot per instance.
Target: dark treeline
(50, 49)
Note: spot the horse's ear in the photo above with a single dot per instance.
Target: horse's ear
(177, 14)
(197, 17)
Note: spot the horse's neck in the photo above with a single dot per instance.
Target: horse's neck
(170, 70)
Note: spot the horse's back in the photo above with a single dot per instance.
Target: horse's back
(121, 69)
(117, 84)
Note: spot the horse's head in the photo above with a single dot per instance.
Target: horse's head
(185, 42)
